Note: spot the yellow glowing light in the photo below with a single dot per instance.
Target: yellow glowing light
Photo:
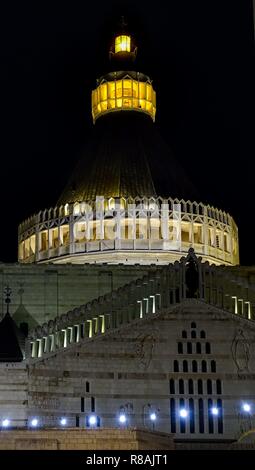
(122, 44)
(124, 94)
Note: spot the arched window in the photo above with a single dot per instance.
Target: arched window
(172, 386)
(191, 387)
(204, 366)
(194, 366)
(180, 348)
(218, 387)
(191, 416)
(207, 348)
(173, 415)
(184, 334)
(189, 348)
(209, 387)
(210, 416)
(176, 366)
(200, 387)
(182, 420)
(193, 325)
(220, 417)
(198, 348)
(181, 386)
(202, 334)
(213, 366)
(201, 415)
(185, 366)
(193, 334)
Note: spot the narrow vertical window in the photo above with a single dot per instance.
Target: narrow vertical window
(180, 348)
(182, 420)
(204, 366)
(77, 421)
(213, 366)
(93, 404)
(191, 416)
(185, 366)
(172, 386)
(201, 415)
(194, 366)
(82, 404)
(193, 334)
(200, 387)
(210, 417)
(198, 348)
(209, 387)
(87, 387)
(173, 415)
(193, 325)
(202, 334)
(189, 348)
(220, 416)
(218, 387)
(191, 387)
(207, 348)
(181, 387)
(176, 366)
(184, 334)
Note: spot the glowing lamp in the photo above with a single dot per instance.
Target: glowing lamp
(122, 418)
(247, 407)
(122, 44)
(5, 423)
(183, 413)
(92, 420)
(215, 411)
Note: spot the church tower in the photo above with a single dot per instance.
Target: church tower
(128, 199)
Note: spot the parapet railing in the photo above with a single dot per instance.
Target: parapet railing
(143, 298)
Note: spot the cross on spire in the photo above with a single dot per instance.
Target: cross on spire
(7, 292)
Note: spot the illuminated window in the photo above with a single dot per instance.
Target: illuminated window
(44, 240)
(21, 250)
(123, 94)
(122, 44)
(27, 248)
(64, 235)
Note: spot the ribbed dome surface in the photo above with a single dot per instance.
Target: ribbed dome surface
(126, 157)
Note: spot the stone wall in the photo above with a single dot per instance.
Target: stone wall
(84, 439)
(14, 393)
(42, 292)
(130, 369)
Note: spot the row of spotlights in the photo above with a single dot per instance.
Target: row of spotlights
(183, 412)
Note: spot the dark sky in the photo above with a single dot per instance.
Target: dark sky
(200, 55)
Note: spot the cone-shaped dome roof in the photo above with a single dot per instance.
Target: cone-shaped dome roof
(126, 157)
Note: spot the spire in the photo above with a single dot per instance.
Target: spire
(8, 293)
(12, 340)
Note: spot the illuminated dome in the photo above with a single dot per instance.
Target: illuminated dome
(128, 200)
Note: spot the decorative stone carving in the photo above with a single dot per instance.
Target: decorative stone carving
(145, 347)
(240, 350)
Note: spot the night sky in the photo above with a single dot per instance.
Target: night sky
(200, 55)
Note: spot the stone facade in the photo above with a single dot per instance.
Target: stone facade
(179, 338)
(84, 439)
(131, 369)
